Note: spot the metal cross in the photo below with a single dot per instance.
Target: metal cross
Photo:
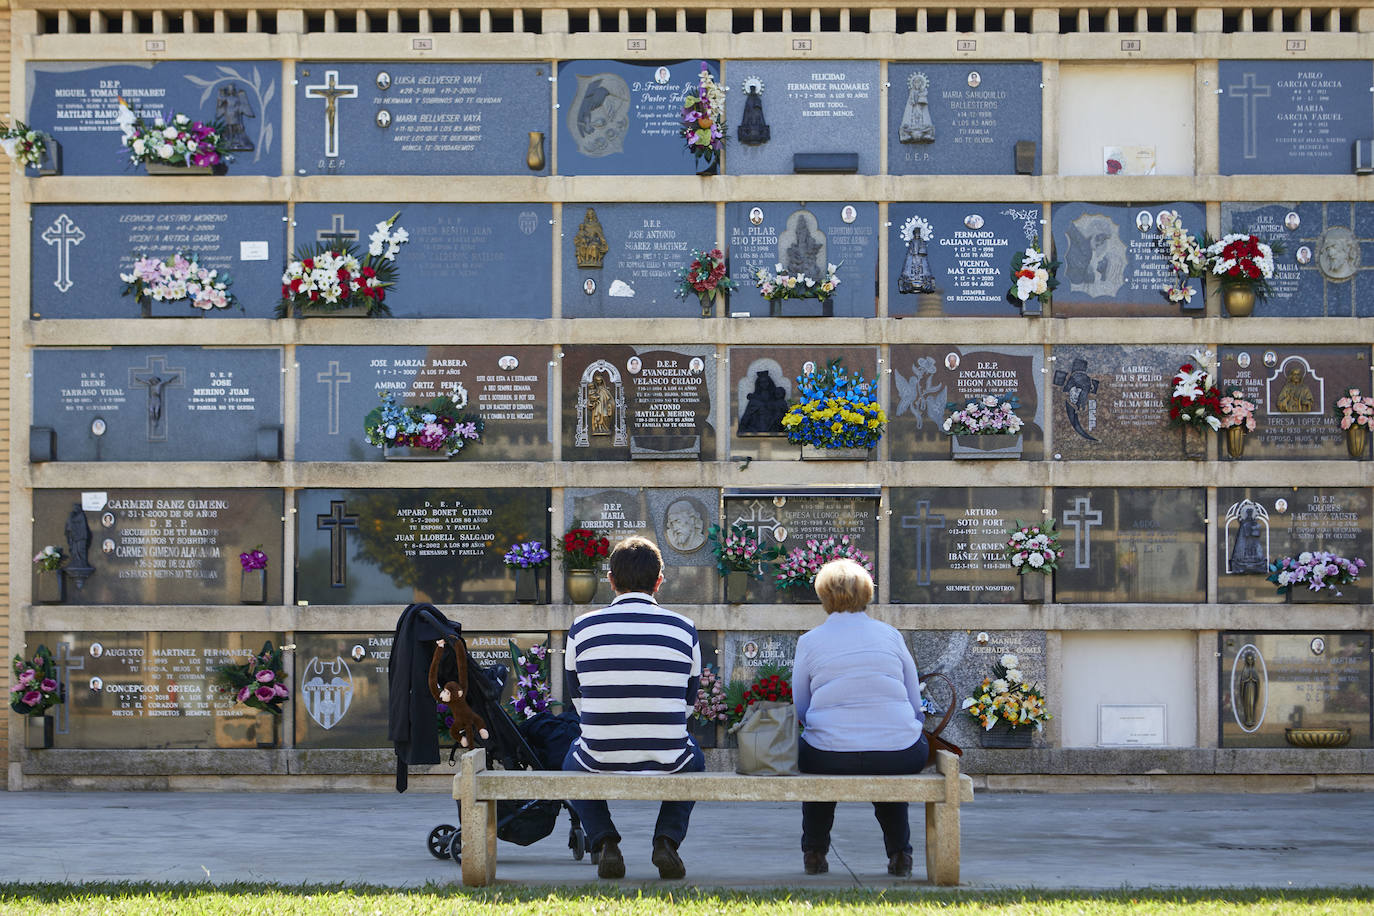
(331, 92)
(925, 526)
(338, 525)
(1249, 93)
(63, 233)
(1082, 518)
(66, 664)
(336, 233)
(157, 376)
(334, 378)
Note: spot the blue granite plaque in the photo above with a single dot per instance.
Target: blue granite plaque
(158, 403)
(1285, 117)
(389, 546)
(968, 253)
(805, 238)
(645, 247)
(393, 118)
(508, 387)
(619, 118)
(77, 104)
(462, 260)
(1111, 263)
(961, 119)
(79, 251)
(812, 106)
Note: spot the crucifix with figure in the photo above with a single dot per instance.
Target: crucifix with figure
(156, 376)
(331, 92)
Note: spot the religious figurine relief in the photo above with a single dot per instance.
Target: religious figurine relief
(765, 406)
(1296, 395)
(801, 246)
(78, 535)
(327, 690)
(916, 276)
(1248, 550)
(231, 107)
(590, 242)
(156, 377)
(1095, 259)
(919, 395)
(1338, 253)
(916, 124)
(753, 129)
(1079, 388)
(248, 94)
(601, 405)
(599, 116)
(684, 526)
(1248, 687)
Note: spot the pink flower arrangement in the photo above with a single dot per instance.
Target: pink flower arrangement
(1237, 411)
(177, 140)
(710, 705)
(1354, 409)
(1034, 548)
(259, 683)
(800, 565)
(179, 277)
(1318, 569)
(35, 689)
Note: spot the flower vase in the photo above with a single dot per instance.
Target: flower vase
(1234, 436)
(1034, 587)
(534, 156)
(775, 308)
(736, 586)
(52, 158)
(580, 584)
(1239, 299)
(412, 453)
(163, 309)
(708, 301)
(253, 586)
(1004, 736)
(1357, 441)
(51, 587)
(1301, 594)
(986, 446)
(820, 453)
(38, 732)
(1192, 444)
(527, 586)
(711, 168)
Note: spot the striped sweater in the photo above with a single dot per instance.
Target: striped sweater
(632, 673)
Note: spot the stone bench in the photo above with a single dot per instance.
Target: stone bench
(478, 789)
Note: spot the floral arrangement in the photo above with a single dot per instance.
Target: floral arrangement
(177, 141)
(1243, 259)
(1032, 275)
(800, 565)
(989, 415)
(1237, 411)
(703, 277)
(49, 559)
(438, 424)
(526, 555)
(532, 693)
(780, 284)
(253, 559)
(1006, 697)
(773, 685)
(176, 278)
(260, 683)
(1354, 409)
(703, 119)
(582, 548)
(35, 689)
(1319, 569)
(24, 145)
(1033, 547)
(324, 278)
(1186, 255)
(1196, 401)
(738, 550)
(835, 410)
(710, 705)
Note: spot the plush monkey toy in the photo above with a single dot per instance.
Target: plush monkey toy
(448, 683)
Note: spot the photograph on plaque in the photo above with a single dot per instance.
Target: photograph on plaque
(948, 542)
(763, 385)
(623, 260)
(1292, 117)
(395, 547)
(155, 690)
(803, 240)
(638, 402)
(963, 118)
(619, 117)
(403, 118)
(77, 103)
(157, 404)
(1294, 388)
(507, 387)
(926, 378)
(1295, 690)
(486, 260)
(1111, 264)
(966, 657)
(955, 259)
(1127, 545)
(677, 520)
(79, 251)
(173, 546)
(1260, 526)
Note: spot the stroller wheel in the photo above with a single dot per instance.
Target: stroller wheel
(438, 840)
(577, 842)
(455, 846)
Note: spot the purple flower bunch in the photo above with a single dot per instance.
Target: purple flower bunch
(526, 555)
(800, 565)
(532, 693)
(1317, 569)
(35, 689)
(253, 559)
(711, 705)
(260, 683)
(175, 140)
(703, 118)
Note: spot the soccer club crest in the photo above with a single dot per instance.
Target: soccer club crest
(327, 690)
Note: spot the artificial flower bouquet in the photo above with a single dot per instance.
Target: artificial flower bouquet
(703, 120)
(1033, 548)
(582, 548)
(35, 689)
(1032, 276)
(259, 683)
(49, 559)
(989, 415)
(526, 555)
(176, 141)
(25, 146)
(799, 566)
(1237, 411)
(532, 692)
(703, 277)
(710, 706)
(773, 685)
(1195, 401)
(438, 425)
(1354, 409)
(330, 278)
(739, 550)
(1186, 255)
(780, 283)
(835, 410)
(1317, 569)
(176, 278)
(1242, 259)
(253, 559)
(1006, 697)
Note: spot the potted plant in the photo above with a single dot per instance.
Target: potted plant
(253, 576)
(1032, 279)
(704, 278)
(985, 427)
(582, 550)
(1033, 549)
(30, 149)
(434, 431)
(779, 284)
(527, 558)
(1007, 707)
(837, 414)
(174, 279)
(335, 280)
(259, 683)
(176, 145)
(739, 557)
(36, 690)
(532, 693)
(1195, 404)
(798, 567)
(1245, 265)
(703, 122)
(1185, 254)
(51, 585)
(1237, 419)
(1322, 572)
(1356, 412)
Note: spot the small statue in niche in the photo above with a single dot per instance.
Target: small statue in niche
(916, 276)
(916, 124)
(753, 129)
(600, 406)
(804, 256)
(78, 538)
(765, 407)
(231, 107)
(1247, 552)
(1295, 397)
(590, 242)
(1248, 692)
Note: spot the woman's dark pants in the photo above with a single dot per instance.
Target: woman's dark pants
(818, 817)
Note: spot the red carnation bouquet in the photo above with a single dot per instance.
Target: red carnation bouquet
(703, 277)
(771, 686)
(1196, 400)
(582, 548)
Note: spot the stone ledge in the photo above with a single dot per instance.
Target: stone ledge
(189, 762)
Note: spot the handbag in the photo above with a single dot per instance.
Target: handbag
(933, 738)
(767, 737)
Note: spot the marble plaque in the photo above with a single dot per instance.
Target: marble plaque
(747, 653)
(763, 384)
(965, 658)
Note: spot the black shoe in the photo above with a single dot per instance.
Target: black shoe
(899, 864)
(670, 867)
(610, 863)
(814, 863)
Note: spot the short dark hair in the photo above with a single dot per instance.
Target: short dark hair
(636, 565)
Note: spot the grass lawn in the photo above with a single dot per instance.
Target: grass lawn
(235, 899)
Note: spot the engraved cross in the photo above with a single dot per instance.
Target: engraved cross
(925, 526)
(337, 523)
(1082, 518)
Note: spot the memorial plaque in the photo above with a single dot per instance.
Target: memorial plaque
(1298, 287)
(1285, 117)
(154, 690)
(925, 378)
(1131, 545)
(961, 119)
(788, 519)
(1273, 684)
(387, 546)
(947, 543)
(1110, 402)
(158, 403)
(808, 106)
(78, 103)
(747, 653)
(623, 259)
(508, 387)
(396, 118)
(1294, 388)
(79, 250)
(676, 520)
(622, 118)
(1259, 526)
(964, 267)
(1111, 264)
(638, 402)
(963, 657)
(146, 546)
(805, 239)
(462, 261)
(763, 384)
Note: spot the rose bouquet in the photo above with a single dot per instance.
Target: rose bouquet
(710, 706)
(703, 277)
(532, 693)
(835, 410)
(259, 683)
(329, 278)
(798, 567)
(1237, 411)
(177, 141)
(771, 686)
(24, 145)
(1006, 697)
(48, 559)
(1033, 547)
(1032, 275)
(437, 425)
(1317, 569)
(1242, 259)
(703, 120)
(1354, 409)
(179, 277)
(35, 689)
(1195, 401)
(1186, 255)
(988, 415)
(582, 548)
(526, 555)
(738, 550)
(253, 559)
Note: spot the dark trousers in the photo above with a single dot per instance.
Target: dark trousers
(595, 814)
(818, 817)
